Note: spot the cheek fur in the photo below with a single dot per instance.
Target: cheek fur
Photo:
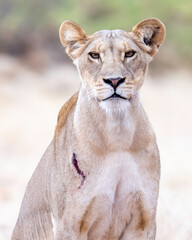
(135, 65)
(90, 70)
(139, 78)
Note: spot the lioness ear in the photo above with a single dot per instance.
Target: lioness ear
(151, 32)
(72, 37)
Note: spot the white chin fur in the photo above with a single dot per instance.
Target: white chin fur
(115, 105)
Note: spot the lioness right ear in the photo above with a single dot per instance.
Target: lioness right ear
(72, 37)
(151, 32)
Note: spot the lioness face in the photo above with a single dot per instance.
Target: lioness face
(112, 66)
(112, 63)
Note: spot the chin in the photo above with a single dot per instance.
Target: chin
(115, 105)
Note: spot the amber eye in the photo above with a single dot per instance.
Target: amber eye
(94, 55)
(130, 54)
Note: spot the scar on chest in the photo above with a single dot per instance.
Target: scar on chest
(78, 170)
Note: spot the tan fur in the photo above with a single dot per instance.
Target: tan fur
(99, 178)
(64, 112)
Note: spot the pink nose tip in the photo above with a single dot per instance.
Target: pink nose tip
(114, 82)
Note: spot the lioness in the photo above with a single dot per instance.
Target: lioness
(99, 178)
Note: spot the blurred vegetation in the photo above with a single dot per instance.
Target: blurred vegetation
(34, 24)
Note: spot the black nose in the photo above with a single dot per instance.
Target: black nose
(114, 82)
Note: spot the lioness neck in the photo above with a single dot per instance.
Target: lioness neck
(104, 130)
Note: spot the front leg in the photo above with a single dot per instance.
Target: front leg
(139, 234)
(142, 225)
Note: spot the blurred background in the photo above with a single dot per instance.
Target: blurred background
(36, 78)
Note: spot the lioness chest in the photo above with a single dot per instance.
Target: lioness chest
(109, 197)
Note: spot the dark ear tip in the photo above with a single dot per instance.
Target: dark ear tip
(146, 40)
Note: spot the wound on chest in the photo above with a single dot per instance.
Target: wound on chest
(78, 170)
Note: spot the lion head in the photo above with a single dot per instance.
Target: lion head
(112, 63)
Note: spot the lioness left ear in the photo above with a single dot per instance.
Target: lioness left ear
(72, 37)
(151, 32)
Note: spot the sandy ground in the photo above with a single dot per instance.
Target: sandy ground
(29, 103)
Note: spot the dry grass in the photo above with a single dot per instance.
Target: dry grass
(29, 103)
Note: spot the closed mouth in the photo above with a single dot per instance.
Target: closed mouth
(115, 95)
